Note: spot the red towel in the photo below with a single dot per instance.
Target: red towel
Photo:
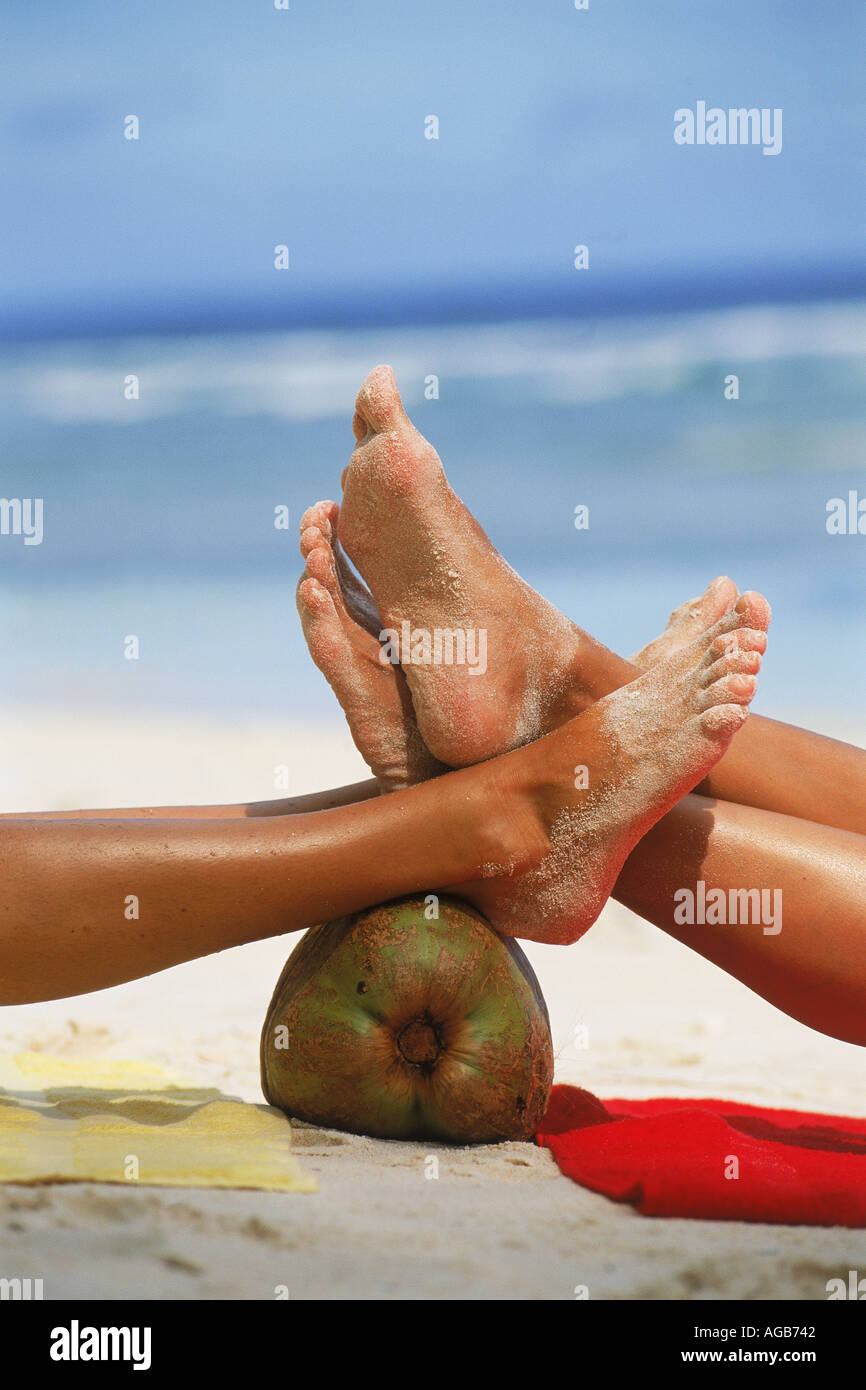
(715, 1160)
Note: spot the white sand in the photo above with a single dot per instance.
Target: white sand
(500, 1221)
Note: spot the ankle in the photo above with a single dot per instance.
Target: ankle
(596, 672)
(511, 830)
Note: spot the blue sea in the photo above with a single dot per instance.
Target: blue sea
(159, 512)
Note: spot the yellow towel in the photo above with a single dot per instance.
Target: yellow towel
(69, 1120)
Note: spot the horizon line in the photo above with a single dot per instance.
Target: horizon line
(455, 302)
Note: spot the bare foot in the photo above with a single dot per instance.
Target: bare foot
(374, 697)
(559, 851)
(319, 524)
(688, 621)
(431, 567)
(643, 747)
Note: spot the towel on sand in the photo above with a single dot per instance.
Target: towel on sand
(68, 1120)
(714, 1160)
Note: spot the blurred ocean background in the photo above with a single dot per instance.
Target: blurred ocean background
(451, 258)
(159, 512)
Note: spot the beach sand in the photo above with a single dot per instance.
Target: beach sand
(633, 1014)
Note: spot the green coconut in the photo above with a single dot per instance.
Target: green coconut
(397, 1025)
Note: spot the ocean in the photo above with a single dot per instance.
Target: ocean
(159, 511)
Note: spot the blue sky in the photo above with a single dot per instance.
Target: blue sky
(306, 127)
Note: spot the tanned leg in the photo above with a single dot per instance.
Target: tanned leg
(286, 806)
(814, 968)
(204, 885)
